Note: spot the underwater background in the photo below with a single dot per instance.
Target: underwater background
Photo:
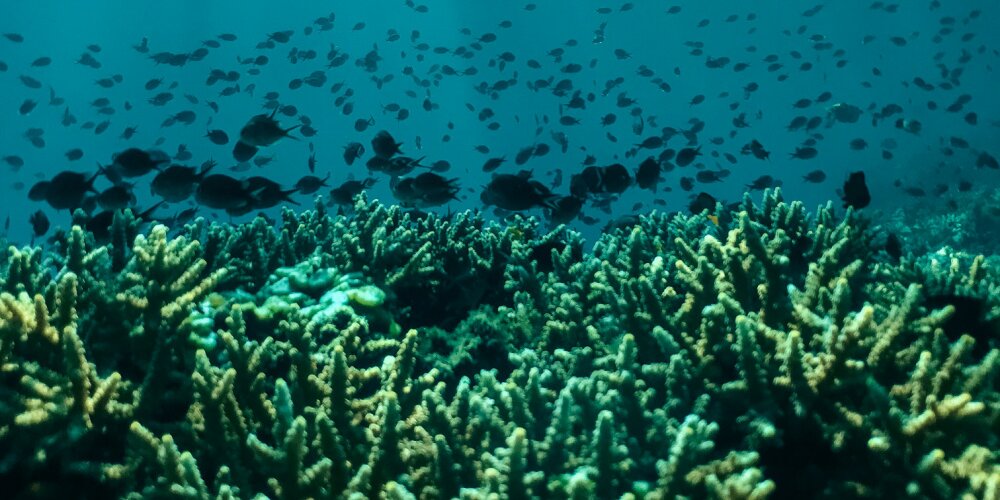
(499, 249)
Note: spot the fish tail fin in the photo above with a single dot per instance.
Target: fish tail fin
(286, 131)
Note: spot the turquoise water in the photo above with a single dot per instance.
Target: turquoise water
(672, 46)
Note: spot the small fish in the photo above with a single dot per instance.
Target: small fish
(517, 192)
(894, 247)
(686, 156)
(763, 182)
(345, 193)
(804, 153)
(361, 124)
(39, 223)
(384, 145)
(13, 161)
(27, 107)
(701, 203)
(615, 178)
(757, 150)
(815, 176)
(653, 142)
(262, 130)
(309, 184)
(855, 192)
(30, 82)
(218, 137)
(493, 163)
(134, 162)
(116, 197)
(648, 174)
(987, 160)
(353, 151)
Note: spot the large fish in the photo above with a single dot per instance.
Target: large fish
(261, 131)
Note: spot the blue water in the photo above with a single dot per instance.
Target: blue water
(660, 41)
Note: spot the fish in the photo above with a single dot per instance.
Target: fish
(844, 113)
(815, 176)
(615, 178)
(266, 193)
(218, 137)
(701, 203)
(344, 194)
(39, 223)
(309, 184)
(353, 151)
(653, 142)
(67, 189)
(260, 131)
(649, 173)
(858, 144)
(686, 156)
(517, 192)
(804, 153)
(27, 107)
(855, 191)
(893, 247)
(135, 162)
(116, 197)
(14, 162)
(763, 182)
(493, 163)
(706, 176)
(424, 190)
(986, 160)
(177, 183)
(385, 146)
(587, 182)
(74, 154)
(361, 124)
(223, 192)
(756, 149)
(565, 209)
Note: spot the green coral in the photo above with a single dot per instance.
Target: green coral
(779, 354)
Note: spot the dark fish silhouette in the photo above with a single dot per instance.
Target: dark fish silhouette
(134, 162)
(309, 184)
(344, 194)
(616, 178)
(701, 203)
(67, 189)
(517, 192)
(261, 131)
(648, 174)
(224, 192)
(177, 182)
(39, 223)
(384, 146)
(855, 193)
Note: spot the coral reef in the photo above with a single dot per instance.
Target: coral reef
(774, 353)
(969, 222)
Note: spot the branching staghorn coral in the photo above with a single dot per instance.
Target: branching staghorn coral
(55, 408)
(158, 287)
(779, 354)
